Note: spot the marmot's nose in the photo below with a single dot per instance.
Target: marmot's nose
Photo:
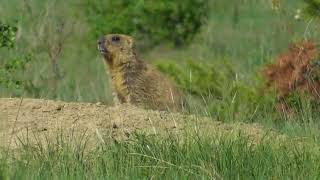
(101, 41)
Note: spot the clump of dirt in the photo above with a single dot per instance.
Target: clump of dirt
(295, 71)
(34, 118)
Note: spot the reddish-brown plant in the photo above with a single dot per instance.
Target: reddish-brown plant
(295, 70)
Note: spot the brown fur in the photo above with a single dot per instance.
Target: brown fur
(135, 81)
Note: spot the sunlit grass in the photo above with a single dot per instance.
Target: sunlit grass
(152, 157)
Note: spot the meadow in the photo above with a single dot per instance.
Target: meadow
(220, 70)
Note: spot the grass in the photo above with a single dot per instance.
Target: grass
(246, 41)
(155, 158)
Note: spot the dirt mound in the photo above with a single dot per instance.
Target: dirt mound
(25, 118)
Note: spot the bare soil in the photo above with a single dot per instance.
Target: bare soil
(31, 119)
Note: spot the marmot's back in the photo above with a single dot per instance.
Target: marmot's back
(133, 80)
(153, 90)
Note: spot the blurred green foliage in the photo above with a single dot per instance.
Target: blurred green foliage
(312, 8)
(154, 21)
(217, 88)
(11, 70)
(7, 35)
(199, 79)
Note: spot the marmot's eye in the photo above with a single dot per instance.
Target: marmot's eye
(115, 39)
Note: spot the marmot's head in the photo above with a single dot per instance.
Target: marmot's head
(116, 48)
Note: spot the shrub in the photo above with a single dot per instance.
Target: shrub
(218, 89)
(176, 21)
(11, 68)
(199, 79)
(7, 35)
(295, 74)
(312, 8)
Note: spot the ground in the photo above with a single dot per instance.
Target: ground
(98, 142)
(36, 118)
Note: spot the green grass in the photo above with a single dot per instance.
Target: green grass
(246, 41)
(156, 158)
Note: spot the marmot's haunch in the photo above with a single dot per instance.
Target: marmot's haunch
(135, 81)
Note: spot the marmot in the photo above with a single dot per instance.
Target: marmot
(134, 81)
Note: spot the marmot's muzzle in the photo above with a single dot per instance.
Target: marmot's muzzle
(101, 46)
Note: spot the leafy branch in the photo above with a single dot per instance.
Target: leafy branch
(9, 68)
